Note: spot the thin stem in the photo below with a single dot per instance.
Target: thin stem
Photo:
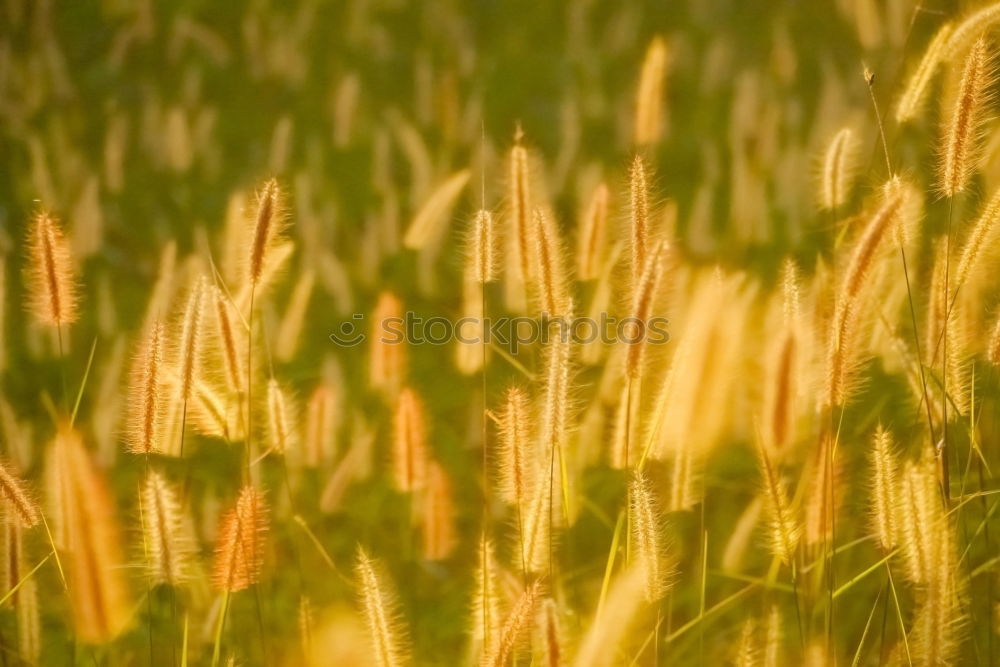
(62, 369)
(916, 342)
(831, 541)
(870, 80)
(486, 475)
(795, 598)
(899, 615)
(149, 588)
(945, 481)
(885, 615)
(628, 503)
(260, 623)
(552, 464)
(249, 434)
(989, 580)
(218, 628)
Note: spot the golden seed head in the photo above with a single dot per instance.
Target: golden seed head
(187, 362)
(409, 444)
(518, 621)
(145, 395)
(784, 529)
(520, 231)
(280, 419)
(229, 341)
(551, 280)
(962, 133)
(593, 235)
(918, 86)
(88, 529)
(639, 215)
(387, 360)
(838, 167)
(483, 247)
(51, 285)
(268, 219)
(168, 548)
(643, 298)
(18, 498)
(647, 535)
(378, 602)
(649, 110)
(884, 489)
(440, 536)
(515, 464)
(239, 548)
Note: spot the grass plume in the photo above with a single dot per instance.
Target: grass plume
(52, 289)
(388, 639)
(963, 131)
(239, 548)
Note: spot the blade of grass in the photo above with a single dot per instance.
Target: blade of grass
(710, 612)
(319, 547)
(868, 625)
(611, 562)
(861, 575)
(83, 382)
(899, 615)
(218, 628)
(55, 552)
(184, 643)
(23, 579)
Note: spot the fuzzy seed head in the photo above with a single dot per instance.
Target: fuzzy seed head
(783, 527)
(884, 489)
(439, 532)
(280, 419)
(483, 247)
(18, 499)
(51, 285)
(169, 550)
(521, 231)
(552, 281)
(993, 349)
(387, 361)
(268, 219)
(842, 345)
(487, 606)
(321, 424)
(838, 164)
(912, 100)
(592, 243)
(409, 444)
(643, 299)
(962, 134)
(649, 97)
(145, 395)
(980, 239)
(516, 465)
(639, 216)
(239, 549)
(228, 341)
(517, 624)
(91, 538)
(647, 536)
(379, 605)
(187, 361)
(919, 515)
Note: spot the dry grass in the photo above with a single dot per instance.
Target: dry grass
(800, 472)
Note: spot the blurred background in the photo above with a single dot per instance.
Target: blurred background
(140, 124)
(137, 120)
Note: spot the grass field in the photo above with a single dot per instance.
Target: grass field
(499, 333)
